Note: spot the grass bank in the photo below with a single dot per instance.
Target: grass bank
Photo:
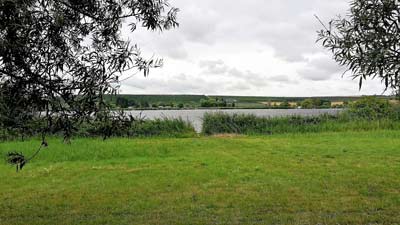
(324, 178)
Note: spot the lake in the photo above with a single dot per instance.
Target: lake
(195, 116)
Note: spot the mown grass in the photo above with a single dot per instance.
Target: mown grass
(325, 178)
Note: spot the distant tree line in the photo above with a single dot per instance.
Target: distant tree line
(193, 102)
(217, 102)
(124, 103)
(315, 103)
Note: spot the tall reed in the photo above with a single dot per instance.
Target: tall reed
(219, 123)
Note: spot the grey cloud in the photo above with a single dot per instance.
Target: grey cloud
(319, 69)
(280, 78)
(287, 26)
(283, 79)
(171, 45)
(182, 76)
(213, 66)
(198, 24)
(235, 72)
(167, 44)
(294, 35)
(211, 63)
(315, 74)
(218, 67)
(178, 84)
(255, 79)
(177, 53)
(239, 86)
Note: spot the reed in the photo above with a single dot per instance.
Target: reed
(220, 123)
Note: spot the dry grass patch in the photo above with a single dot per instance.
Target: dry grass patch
(227, 135)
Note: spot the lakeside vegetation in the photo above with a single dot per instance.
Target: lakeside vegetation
(365, 114)
(368, 113)
(221, 123)
(324, 178)
(120, 126)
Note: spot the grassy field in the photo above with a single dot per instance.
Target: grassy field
(325, 178)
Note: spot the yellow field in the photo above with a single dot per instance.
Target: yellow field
(337, 103)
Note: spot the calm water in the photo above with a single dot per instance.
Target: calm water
(195, 117)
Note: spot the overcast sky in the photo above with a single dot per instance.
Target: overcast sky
(245, 47)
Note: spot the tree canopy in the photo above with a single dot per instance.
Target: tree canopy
(367, 40)
(58, 58)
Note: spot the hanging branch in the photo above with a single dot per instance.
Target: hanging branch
(366, 41)
(19, 160)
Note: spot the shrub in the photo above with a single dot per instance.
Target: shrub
(315, 103)
(370, 108)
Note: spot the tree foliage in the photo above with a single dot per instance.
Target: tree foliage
(315, 103)
(367, 40)
(58, 58)
(371, 108)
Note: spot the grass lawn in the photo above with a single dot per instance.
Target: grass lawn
(326, 178)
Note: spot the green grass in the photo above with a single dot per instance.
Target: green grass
(324, 178)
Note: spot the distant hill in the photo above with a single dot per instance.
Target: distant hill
(194, 101)
(294, 99)
(260, 102)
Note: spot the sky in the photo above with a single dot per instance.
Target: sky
(245, 47)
